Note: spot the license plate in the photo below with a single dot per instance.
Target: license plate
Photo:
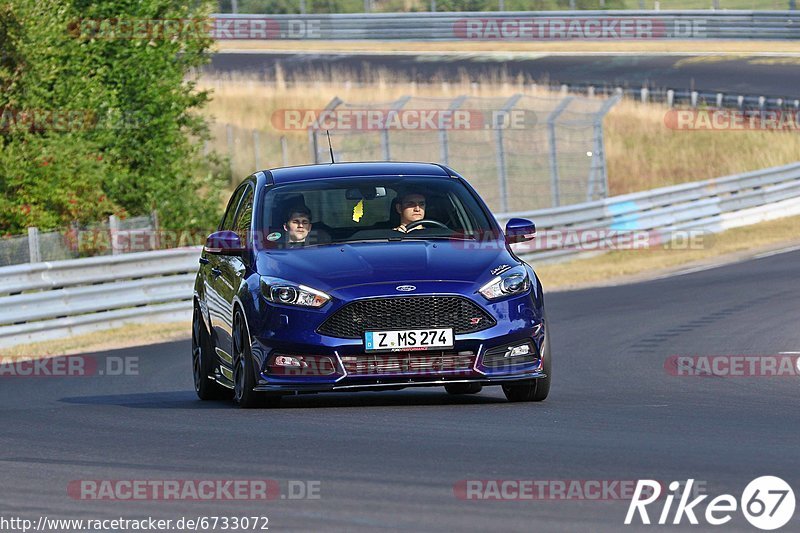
(408, 339)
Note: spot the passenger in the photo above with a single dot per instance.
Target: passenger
(297, 226)
(411, 208)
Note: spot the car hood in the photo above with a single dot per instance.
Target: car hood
(335, 267)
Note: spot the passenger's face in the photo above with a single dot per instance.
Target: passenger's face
(411, 208)
(298, 227)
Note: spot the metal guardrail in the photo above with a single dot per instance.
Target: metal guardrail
(49, 300)
(711, 206)
(515, 26)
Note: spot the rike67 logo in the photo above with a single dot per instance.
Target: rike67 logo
(767, 503)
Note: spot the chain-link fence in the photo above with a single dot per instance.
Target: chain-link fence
(521, 153)
(114, 236)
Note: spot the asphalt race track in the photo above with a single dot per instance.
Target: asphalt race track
(766, 76)
(390, 460)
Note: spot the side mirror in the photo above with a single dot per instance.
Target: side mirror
(224, 242)
(520, 230)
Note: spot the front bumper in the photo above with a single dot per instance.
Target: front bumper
(519, 320)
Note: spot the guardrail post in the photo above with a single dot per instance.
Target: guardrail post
(444, 150)
(302, 7)
(670, 98)
(499, 123)
(551, 131)
(34, 250)
(113, 230)
(644, 95)
(433, 6)
(740, 101)
(719, 99)
(235, 6)
(694, 98)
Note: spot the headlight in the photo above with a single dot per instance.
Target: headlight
(285, 292)
(514, 281)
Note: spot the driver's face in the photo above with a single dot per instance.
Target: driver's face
(411, 208)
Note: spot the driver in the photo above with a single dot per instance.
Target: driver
(411, 208)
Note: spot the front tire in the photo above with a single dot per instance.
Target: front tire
(533, 390)
(244, 375)
(202, 362)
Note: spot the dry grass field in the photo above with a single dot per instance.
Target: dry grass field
(641, 151)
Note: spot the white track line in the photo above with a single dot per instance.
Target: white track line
(777, 252)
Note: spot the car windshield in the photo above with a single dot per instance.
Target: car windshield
(383, 208)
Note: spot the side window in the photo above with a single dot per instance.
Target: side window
(227, 218)
(244, 217)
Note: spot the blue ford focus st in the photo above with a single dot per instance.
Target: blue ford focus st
(365, 276)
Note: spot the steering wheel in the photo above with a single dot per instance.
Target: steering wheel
(413, 225)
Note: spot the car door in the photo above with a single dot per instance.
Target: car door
(216, 286)
(231, 272)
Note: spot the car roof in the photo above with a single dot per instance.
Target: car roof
(351, 170)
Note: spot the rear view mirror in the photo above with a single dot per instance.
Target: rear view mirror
(520, 230)
(224, 243)
(365, 193)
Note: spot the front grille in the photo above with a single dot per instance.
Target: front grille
(407, 312)
(408, 363)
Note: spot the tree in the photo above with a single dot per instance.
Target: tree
(101, 115)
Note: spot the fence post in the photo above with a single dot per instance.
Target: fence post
(444, 148)
(385, 146)
(598, 176)
(551, 131)
(312, 144)
(155, 237)
(284, 151)
(229, 135)
(256, 154)
(34, 250)
(502, 171)
(113, 230)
